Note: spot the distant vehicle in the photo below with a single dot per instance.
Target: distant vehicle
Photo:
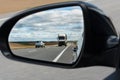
(75, 48)
(39, 44)
(62, 39)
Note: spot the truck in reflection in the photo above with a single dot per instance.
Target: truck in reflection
(62, 39)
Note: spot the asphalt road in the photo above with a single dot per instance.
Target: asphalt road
(59, 54)
(12, 70)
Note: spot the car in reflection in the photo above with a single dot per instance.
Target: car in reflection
(39, 44)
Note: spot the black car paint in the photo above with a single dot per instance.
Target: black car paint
(98, 27)
(97, 50)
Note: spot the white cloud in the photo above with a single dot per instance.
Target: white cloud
(48, 24)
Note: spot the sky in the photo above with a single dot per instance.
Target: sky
(46, 25)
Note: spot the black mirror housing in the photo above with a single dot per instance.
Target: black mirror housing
(98, 28)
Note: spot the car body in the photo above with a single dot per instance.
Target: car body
(39, 44)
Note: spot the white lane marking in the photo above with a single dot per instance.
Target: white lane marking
(89, 0)
(3, 19)
(57, 58)
(84, 0)
(32, 51)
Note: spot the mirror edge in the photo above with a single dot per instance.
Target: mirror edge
(5, 45)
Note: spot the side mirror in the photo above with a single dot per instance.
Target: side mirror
(57, 34)
(35, 36)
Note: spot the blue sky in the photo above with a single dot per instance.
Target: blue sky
(48, 24)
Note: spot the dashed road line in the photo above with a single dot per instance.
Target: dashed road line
(89, 0)
(58, 57)
(3, 19)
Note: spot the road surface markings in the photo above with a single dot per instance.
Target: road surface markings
(57, 58)
(31, 51)
(84, 0)
(89, 0)
(3, 19)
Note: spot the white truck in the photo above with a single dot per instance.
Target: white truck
(62, 39)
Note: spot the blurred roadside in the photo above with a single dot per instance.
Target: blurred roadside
(7, 6)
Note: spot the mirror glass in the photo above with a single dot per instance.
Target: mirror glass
(54, 35)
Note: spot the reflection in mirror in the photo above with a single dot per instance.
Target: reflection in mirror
(54, 35)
